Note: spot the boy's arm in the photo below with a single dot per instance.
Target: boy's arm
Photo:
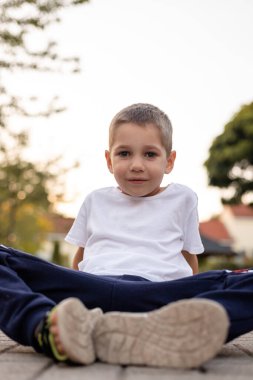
(78, 257)
(192, 260)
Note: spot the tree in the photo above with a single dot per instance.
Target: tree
(230, 161)
(25, 194)
(26, 190)
(19, 20)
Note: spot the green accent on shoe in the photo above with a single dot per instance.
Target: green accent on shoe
(59, 357)
(46, 340)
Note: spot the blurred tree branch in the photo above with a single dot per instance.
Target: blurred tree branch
(19, 20)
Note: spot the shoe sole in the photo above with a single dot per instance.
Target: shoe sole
(184, 334)
(76, 324)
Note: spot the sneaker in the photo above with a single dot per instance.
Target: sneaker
(184, 334)
(76, 324)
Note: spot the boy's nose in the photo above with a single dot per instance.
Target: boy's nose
(137, 164)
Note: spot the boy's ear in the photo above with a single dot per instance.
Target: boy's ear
(108, 161)
(170, 161)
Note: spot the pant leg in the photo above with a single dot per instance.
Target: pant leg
(147, 295)
(58, 283)
(21, 308)
(29, 287)
(237, 299)
(233, 291)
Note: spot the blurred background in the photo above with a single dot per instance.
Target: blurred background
(66, 68)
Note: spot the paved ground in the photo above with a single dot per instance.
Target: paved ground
(235, 361)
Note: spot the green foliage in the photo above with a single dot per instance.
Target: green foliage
(219, 263)
(29, 230)
(230, 161)
(26, 193)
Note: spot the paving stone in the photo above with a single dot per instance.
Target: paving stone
(18, 366)
(97, 371)
(235, 361)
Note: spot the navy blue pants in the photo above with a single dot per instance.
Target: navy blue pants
(29, 287)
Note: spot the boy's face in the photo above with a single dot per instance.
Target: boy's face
(138, 159)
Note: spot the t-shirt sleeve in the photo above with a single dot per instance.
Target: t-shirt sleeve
(77, 235)
(192, 239)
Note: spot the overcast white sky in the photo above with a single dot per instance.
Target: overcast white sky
(191, 58)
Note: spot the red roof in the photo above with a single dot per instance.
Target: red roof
(60, 223)
(241, 210)
(214, 229)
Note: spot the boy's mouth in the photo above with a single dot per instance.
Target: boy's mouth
(137, 180)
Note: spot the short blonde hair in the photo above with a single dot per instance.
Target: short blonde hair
(142, 114)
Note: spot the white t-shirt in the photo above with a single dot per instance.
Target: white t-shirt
(141, 236)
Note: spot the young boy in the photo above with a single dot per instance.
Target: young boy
(139, 228)
(142, 304)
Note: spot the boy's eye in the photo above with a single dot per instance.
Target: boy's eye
(124, 153)
(150, 154)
